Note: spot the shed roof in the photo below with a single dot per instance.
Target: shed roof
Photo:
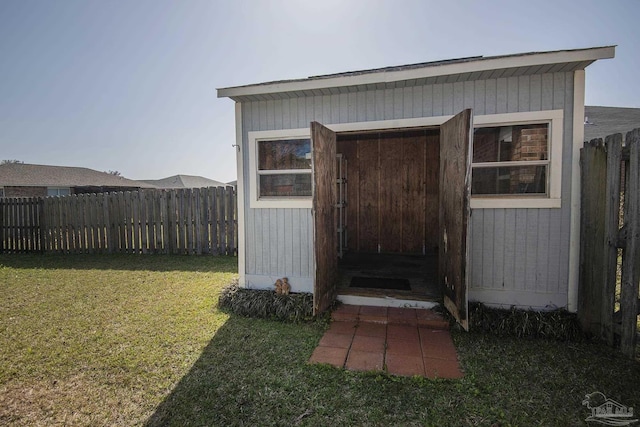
(29, 175)
(447, 71)
(600, 122)
(185, 181)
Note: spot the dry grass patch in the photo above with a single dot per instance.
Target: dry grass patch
(78, 400)
(96, 340)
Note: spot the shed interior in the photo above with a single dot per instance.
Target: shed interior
(389, 214)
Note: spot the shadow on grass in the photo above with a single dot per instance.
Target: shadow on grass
(249, 373)
(127, 262)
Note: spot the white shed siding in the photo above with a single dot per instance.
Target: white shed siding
(526, 250)
(521, 250)
(278, 242)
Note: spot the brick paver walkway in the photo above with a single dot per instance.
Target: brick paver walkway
(402, 341)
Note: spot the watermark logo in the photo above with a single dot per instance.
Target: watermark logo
(607, 411)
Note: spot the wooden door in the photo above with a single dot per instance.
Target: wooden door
(323, 142)
(392, 190)
(455, 190)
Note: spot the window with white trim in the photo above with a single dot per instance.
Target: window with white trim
(58, 191)
(510, 160)
(280, 168)
(516, 160)
(284, 168)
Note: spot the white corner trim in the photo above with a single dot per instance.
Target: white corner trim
(240, 197)
(556, 129)
(574, 230)
(256, 202)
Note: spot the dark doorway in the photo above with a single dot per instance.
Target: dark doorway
(391, 210)
(420, 271)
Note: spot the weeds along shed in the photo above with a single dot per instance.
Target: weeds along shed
(459, 177)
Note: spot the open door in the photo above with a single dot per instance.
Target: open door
(455, 190)
(323, 142)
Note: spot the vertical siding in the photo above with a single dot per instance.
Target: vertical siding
(529, 248)
(510, 239)
(511, 249)
(278, 242)
(520, 252)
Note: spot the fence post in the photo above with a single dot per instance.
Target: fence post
(593, 162)
(213, 221)
(146, 215)
(162, 237)
(231, 227)
(2, 224)
(631, 259)
(187, 218)
(612, 222)
(42, 225)
(221, 214)
(106, 227)
(174, 225)
(197, 219)
(19, 223)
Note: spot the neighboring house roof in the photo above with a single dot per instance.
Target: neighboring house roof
(600, 122)
(184, 181)
(28, 175)
(448, 71)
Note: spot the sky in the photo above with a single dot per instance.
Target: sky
(130, 86)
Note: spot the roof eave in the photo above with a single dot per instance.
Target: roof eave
(483, 64)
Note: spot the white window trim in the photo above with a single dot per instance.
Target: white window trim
(272, 202)
(553, 199)
(553, 117)
(59, 188)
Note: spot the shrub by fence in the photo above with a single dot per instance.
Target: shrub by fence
(608, 303)
(182, 221)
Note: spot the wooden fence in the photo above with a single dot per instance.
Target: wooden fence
(608, 301)
(184, 221)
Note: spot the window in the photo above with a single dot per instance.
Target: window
(280, 169)
(284, 168)
(52, 191)
(510, 160)
(516, 160)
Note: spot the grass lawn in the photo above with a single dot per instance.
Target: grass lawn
(138, 340)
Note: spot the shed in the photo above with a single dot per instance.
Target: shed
(449, 181)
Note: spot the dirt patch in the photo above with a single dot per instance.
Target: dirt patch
(78, 400)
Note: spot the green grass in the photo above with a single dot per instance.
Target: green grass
(138, 340)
